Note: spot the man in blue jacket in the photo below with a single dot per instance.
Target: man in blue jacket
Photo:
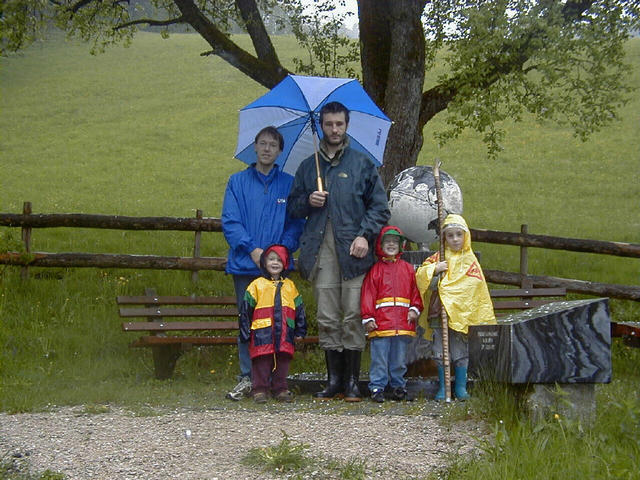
(254, 216)
(336, 247)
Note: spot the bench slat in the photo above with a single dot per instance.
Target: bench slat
(529, 292)
(177, 312)
(147, 341)
(152, 340)
(519, 304)
(173, 300)
(177, 326)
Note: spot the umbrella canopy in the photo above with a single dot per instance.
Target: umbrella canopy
(295, 102)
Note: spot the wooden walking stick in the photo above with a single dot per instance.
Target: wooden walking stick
(443, 313)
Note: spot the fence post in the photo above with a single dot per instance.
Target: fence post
(196, 247)
(26, 238)
(524, 261)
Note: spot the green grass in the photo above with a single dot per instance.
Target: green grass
(151, 130)
(284, 457)
(291, 459)
(18, 469)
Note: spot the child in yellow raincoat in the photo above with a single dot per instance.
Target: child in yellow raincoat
(463, 291)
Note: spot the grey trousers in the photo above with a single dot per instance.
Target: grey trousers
(339, 321)
(458, 348)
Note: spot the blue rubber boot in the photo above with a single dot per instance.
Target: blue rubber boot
(460, 386)
(440, 393)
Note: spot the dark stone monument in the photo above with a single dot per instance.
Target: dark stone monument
(563, 342)
(560, 350)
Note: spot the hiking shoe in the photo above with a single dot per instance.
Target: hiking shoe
(399, 394)
(242, 389)
(377, 396)
(285, 396)
(260, 397)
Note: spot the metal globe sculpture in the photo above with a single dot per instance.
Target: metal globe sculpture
(414, 206)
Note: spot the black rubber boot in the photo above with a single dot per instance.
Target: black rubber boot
(335, 367)
(352, 376)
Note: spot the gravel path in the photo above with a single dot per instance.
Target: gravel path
(120, 445)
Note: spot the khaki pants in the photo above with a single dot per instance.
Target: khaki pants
(339, 321)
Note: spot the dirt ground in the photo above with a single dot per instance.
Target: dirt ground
(402, 442)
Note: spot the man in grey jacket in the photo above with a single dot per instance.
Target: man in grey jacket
(336, 247)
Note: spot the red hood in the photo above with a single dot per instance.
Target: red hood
(281, 251)
(384, 230)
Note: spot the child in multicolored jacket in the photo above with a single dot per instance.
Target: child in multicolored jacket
(390, 305)
(272, 319)
(463, 291)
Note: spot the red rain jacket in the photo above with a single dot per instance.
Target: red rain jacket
(388, 292)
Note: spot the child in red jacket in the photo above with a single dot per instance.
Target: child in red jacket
(390, 304)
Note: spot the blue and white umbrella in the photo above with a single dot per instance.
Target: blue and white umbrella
(295, 102)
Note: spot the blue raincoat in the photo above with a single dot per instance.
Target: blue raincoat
(254, 215)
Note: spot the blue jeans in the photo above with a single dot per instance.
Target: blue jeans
(240, 284)
(388, 362)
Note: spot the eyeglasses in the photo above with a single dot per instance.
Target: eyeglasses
(263, 144)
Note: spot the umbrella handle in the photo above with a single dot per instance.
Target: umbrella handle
(315, 151)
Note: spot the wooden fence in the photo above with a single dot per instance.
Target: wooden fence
(28, 221)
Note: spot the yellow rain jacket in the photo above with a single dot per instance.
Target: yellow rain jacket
(462, 288)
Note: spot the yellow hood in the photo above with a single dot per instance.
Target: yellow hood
(462, 289)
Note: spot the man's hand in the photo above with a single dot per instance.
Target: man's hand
(317, 199)
(359, 247)
(255, 256)
(412, 316)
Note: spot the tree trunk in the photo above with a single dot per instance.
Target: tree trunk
(393, 65)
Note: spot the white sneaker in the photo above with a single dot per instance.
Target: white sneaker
(242, 389)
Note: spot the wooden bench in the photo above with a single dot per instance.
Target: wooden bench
(169, 339)
(517, 299)
(170, 330)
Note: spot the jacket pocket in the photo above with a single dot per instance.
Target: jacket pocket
(262, 331)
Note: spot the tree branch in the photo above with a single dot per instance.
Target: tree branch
(435, 100)
(78, 5)
(257, 31)
(510, 59)
(151, 22)
(73, 9)
(266, 74)
(572, 10)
